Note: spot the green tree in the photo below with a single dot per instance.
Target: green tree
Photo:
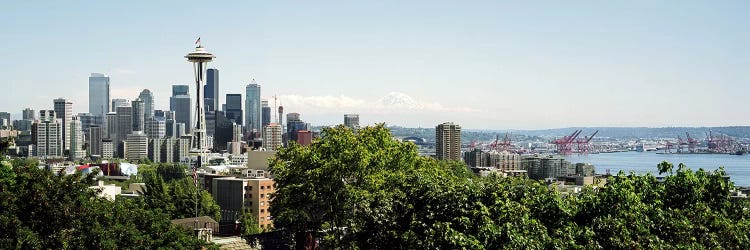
(367, 190)
(46, 211)
(177, 196)
(249, 225)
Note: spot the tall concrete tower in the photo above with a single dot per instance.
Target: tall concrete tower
(200, 59)
(448, 141)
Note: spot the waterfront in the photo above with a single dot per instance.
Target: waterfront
(737, 167)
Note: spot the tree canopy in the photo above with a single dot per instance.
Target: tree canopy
(365, 189)
(40, 210)
(170, 190)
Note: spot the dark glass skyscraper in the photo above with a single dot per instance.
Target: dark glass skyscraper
(180, 104)
(293, 125)
(266, 111)
(252, 108)
(211, 90)
(234, 108)
(138, 109)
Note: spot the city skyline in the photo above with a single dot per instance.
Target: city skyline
(487, 65)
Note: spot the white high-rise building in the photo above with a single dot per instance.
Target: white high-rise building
(99, 94)
(76, 151)
(47, 135)
(272, 137)
(108, 149)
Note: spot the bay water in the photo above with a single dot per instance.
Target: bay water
(736, 166)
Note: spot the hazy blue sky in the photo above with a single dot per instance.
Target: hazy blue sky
(482, 64)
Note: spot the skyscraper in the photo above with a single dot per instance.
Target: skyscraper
(212, 90)
(28, 114)
(64, 112)
(351, 121)
(180, 104)
(234, 108)
(293, 125)
(4, 119)
(119, 103)
(136, 146)
(266, 113)
(148, 104)
(156, 128)
(223, 131)
(76, 151)
(46, 135)
(88, 120)
(110, 126)
(99, 94)
(95, 140)
(253, 114)
(448, 141)
(272, 137)
(124, 127)
(138, 115)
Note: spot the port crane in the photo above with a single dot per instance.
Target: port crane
(583, 144)
(564, 144)
(692, 143)
(503, 145)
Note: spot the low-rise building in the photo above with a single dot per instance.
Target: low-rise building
(107, 191)
(239, 195)
(551, 166)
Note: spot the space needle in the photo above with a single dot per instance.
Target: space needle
(200, 58)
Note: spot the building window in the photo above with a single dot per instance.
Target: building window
(262, 187)
(262, 211)
(262, 195)
(262, 203)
